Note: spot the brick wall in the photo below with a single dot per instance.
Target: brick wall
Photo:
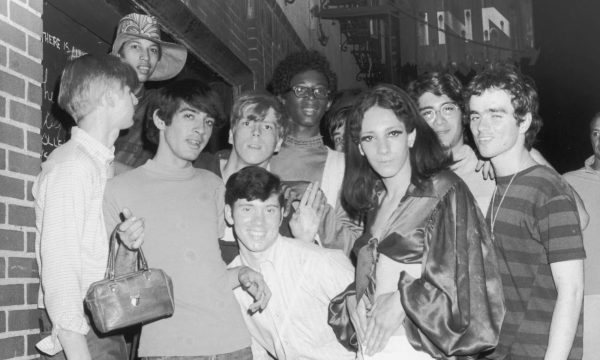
(20, 147)
(256, 31)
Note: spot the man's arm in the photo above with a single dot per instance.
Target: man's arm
(584, 217)
(74, 345)
(253, 283)
(126, 260)
(568, 277)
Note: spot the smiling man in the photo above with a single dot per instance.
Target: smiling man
(304, 82)
(183, 211)
(534, 222)
(303, 277)
(439, 97)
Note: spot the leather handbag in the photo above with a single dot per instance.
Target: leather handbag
(139, 297)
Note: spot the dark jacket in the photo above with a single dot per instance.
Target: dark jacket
(456, 307)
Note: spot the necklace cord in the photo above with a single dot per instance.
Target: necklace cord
(493, 216)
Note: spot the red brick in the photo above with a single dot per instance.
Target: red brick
(36, 5)
(34, 47)
(2, 321)
(25, 113)
(11, 135)
(2, 106)
(31, 341)
(28, 193)
(21, 215)
(11, 240)
(13, 294)
(30, 242)
(12, 84)
(22, 268)
(24, 65)
(34, 93)
(2, 55)
(12, 35)
(13, 347)
(32, 293)
(26, 18)
(24, 164)
(2, 159)
(23, 320)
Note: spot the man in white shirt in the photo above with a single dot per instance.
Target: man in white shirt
(303, 277)
(586, 181)
(72, 250)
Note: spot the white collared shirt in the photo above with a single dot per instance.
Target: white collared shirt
(72, 250)
(303, 278)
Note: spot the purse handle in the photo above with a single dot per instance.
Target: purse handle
(112, 256)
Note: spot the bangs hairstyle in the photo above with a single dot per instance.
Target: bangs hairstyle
(299, 62)
(86, 79)
(337, 118)
(257, 104)
(427, 157)
(522, 91)
(195, 93)
(253, 183)
(438, 84)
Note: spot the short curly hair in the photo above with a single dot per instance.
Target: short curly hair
(298, 62)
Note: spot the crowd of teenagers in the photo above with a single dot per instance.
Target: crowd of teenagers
(395, 247)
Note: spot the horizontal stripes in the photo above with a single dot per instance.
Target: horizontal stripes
(536, 225)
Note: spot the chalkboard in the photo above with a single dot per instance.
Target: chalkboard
(64, 38)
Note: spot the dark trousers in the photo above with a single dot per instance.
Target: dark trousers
(243, 354)
(102, 347)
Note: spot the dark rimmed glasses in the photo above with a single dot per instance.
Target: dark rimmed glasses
(318, 92)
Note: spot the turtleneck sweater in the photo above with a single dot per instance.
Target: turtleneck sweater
(183, 212)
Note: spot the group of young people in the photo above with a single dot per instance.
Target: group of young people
(283, 248)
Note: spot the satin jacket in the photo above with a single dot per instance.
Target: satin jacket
(456, 308)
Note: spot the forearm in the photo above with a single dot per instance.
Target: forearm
(61, 281)
(233, 276)
(126, 261)
(564, 325)
(568, 277)
(74, 345)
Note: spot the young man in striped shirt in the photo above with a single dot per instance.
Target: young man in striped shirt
(534, 223)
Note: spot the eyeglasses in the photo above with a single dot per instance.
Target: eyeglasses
(446, 111)
(319, 92)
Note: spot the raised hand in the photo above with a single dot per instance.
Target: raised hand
(305, 221)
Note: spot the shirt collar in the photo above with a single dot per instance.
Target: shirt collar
(588, 165)
(271, 255)
(98, 150)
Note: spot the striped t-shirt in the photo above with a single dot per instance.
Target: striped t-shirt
(537, 224)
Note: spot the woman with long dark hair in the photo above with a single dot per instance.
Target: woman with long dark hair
(426, 285)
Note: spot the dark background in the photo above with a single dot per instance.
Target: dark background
(567, 73)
